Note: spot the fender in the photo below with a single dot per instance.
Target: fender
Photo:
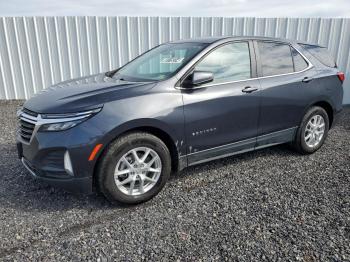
(177, 141)
(141, 123)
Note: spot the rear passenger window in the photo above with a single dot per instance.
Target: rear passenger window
(230, 62)
(299, 62)
(276, 58)
(321, 53)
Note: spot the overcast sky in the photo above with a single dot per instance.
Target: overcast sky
(258, 8)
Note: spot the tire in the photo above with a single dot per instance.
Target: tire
(114, 158)
(300, 143)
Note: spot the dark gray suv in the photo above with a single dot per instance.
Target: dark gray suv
(181, 103)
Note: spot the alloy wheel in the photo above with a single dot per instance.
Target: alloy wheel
(314, 131)
(138, 171)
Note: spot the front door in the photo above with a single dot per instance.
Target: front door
(221, 117)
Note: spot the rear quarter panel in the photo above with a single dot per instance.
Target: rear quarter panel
(331, 88)
(326, 79)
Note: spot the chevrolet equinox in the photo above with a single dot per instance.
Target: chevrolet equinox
(179, 104)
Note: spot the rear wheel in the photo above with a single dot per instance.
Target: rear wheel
(134, 168)
(313, 131)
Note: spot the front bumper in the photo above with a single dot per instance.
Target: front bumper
(77, 185)
(62, 158)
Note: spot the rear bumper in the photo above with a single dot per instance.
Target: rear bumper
(74, 184)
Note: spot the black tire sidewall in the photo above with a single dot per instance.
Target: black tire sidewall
(312, 112)
(116, 151)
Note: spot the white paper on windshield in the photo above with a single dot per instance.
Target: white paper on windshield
(172, 60)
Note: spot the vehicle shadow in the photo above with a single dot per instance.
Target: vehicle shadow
(20, 191)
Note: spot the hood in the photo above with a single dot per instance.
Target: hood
(83, 94)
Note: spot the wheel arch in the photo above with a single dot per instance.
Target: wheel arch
(328, 108)
(162, 135)
(155, 128)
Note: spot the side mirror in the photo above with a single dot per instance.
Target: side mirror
(198, 78)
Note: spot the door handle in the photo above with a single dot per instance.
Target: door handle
(307, 79)
(249, 89)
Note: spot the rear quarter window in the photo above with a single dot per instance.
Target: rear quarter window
(299, 62)
(321, 54)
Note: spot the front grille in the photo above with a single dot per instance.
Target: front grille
(26, 130)
(29, 112)
(27, 121)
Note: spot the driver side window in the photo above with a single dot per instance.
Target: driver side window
(230, 62)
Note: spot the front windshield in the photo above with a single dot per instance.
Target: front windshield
(160, 63)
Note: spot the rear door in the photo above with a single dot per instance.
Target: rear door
(221, 117)
(286, 87)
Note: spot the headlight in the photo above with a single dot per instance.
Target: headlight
(60, 122)
(59, 126)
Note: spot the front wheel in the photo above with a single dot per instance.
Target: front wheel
(312, 131)
(134, 168)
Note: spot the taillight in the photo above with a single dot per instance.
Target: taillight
(341, 76)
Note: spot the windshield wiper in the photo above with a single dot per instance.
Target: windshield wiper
(111, 73)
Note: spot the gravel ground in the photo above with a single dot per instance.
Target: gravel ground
(272, 205)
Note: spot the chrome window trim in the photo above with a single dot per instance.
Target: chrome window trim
(310, 65)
